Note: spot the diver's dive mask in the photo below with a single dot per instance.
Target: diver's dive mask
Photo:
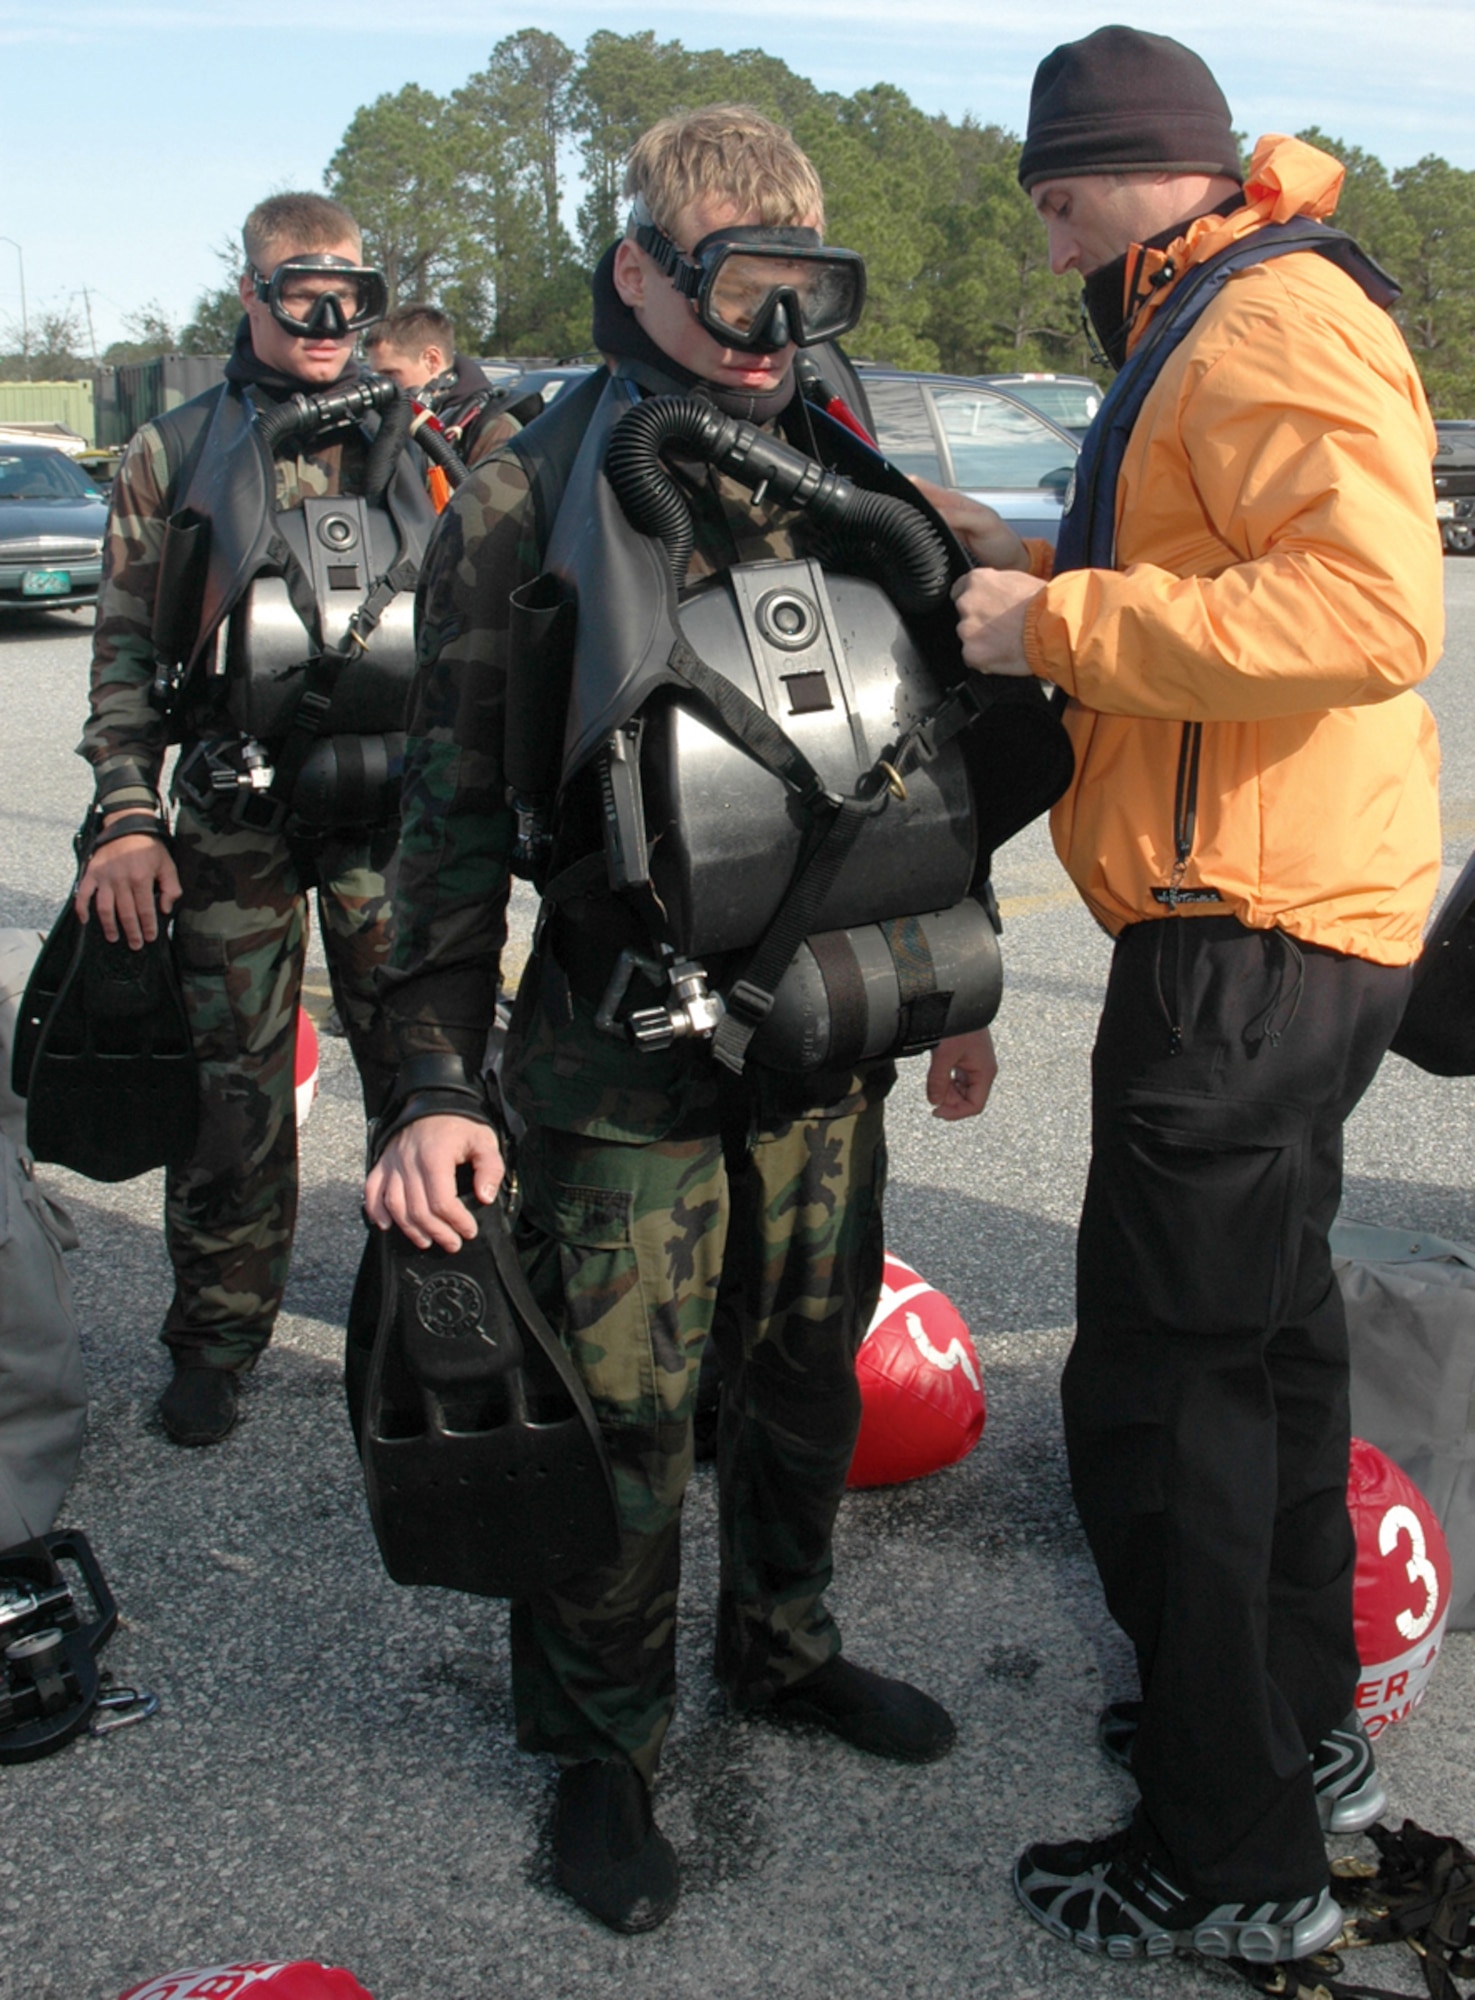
(321, 297)
(758, 288)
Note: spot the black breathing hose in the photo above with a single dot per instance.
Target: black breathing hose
(389, 441)
(875, 530)
(318, 413)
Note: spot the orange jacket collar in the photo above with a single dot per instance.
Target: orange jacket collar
(1287, 178)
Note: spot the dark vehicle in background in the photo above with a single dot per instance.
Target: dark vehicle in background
(1454, 485)
(959, 431)
(52, 517)
(1068, 400)
(540, 378)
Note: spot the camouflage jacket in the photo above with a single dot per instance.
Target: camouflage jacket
(453, 875)
(125, 736)
(482, 433)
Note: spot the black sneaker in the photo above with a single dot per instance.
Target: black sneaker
(608, 1853)
(1105, 1896)
(1349, 1793)
(885, 1717)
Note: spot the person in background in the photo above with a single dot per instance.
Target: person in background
(415, 345)
(238, 867)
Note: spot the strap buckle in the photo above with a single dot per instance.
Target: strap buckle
(258, 810)
(749, 1002)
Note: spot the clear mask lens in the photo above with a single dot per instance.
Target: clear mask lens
(749, 292)
(318, 298)
(761, 288)
(301, 296)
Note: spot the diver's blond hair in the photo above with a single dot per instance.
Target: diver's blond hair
(727, 151)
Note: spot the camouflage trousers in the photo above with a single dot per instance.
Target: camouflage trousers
(773, 1248)
(240, 934)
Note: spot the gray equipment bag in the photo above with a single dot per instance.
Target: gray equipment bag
(43, 1389)
(1411, 1324)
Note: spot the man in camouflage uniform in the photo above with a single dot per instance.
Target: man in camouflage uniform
(237, 893)
(663, 1199)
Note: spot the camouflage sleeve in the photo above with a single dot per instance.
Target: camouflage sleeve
(494, 429)
(452, 879)
(124, 738)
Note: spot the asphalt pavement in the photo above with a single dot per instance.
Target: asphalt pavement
(331, 1774)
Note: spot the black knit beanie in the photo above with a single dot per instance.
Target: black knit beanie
(1122, 101)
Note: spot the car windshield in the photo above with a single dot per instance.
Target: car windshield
(1073, 404)
(38, 474)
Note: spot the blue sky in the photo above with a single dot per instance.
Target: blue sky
(135, 136)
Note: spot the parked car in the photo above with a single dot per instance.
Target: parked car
(949, 428)
(1068, 400)
(958, 431)
(1454, 484)
(543, 378)
(52, 517)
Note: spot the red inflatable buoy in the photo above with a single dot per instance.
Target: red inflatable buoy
(921, 1388)
(301, 1980)
(305, 1069)
(1400, 1595)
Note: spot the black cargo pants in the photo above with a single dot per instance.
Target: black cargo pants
(1205, 1398)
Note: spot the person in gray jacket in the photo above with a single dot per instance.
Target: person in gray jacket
(43, 1389)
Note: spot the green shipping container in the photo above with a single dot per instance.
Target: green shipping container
(68, 403)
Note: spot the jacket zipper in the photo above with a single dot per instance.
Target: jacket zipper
(1185, 807)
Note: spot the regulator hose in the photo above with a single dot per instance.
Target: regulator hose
(429, 433)
(875, 530)
(390, 440)
(301, 413)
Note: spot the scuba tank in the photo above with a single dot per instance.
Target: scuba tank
(786, 756)
(298, 625)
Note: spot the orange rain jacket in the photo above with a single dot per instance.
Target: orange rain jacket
(1280, 582)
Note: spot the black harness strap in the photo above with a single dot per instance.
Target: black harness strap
(750, 999)
(924, 1005)
(845, 988)
(319, 678)
(749, 724)
(836, 823)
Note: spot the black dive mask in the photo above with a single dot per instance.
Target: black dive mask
(758, 288)
(310, 309)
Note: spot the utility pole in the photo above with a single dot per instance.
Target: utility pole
(91, 332)
(25, 331)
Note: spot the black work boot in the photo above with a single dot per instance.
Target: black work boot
(608, 1853)
(887, 1718)
(201, 1404)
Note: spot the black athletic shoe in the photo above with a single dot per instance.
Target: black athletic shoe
(1105, 1896)
(608, 1853)
(885, 1717)
(1349, 1793)
(201, 1405)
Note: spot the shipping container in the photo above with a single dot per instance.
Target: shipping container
(136, 391)
(68, 403)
